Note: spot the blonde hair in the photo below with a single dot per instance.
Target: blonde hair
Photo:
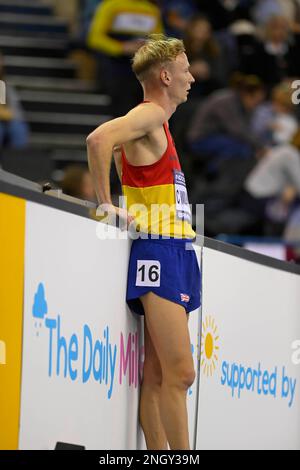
(157, 50)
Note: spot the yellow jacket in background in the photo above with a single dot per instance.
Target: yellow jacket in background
(116, 21)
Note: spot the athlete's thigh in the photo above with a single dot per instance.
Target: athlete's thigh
(168, 328)
(152, 367)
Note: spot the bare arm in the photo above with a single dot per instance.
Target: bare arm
(136, 124)
(117, 153)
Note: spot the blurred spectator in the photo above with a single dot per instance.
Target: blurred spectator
(223, 13)
(14, 132)
(208, 67)
(118, 29)
(292, 230)
(177, 14)
(206, 57)
(275, 122)
(69, 11)
(273, 187)
(290, 9)
(77, 182)
(231, 21)
(276, 57)
(221, 128)
(263, 10)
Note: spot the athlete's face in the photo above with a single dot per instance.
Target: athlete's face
(180, 79)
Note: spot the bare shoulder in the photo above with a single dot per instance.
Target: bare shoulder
(147, 115)
(139, 122)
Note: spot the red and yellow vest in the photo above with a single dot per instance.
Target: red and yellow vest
(156, 195)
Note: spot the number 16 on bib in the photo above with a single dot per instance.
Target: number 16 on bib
(148, 273)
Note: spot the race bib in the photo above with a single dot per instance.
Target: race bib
(148, 273)
(183, 211)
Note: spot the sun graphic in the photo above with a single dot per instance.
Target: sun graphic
(209, 346)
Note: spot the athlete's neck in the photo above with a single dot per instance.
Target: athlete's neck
(162, 100)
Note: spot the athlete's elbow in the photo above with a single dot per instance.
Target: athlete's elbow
(90, 140)
(102, 139)
(95, 140)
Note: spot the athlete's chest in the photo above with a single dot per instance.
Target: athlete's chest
(152, 148)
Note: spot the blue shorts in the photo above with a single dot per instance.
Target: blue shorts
(167, 269)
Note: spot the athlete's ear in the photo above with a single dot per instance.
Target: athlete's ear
(165, 77)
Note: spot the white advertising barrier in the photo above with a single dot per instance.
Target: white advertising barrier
(250, 383)
(195, 333)
(82, 347)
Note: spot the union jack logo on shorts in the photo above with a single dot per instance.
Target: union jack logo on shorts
(184, 298)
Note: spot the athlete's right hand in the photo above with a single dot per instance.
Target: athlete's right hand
(111, 212)
(125, 218)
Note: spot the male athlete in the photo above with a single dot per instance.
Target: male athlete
(163, 276)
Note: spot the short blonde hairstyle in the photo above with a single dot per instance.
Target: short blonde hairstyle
(157, 50)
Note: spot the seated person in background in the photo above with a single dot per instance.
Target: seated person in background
(263, 10)
(14, 132)
(77, 182)
(290, 9)
(276, 122)
(273, 186)
(209, 69)
(276, 57)
(223, 13)
(206, 57)
(221, 127)
(117, 31)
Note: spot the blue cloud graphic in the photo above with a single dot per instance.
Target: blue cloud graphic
(40, 307)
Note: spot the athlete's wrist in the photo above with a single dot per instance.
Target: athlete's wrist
(105, 204)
